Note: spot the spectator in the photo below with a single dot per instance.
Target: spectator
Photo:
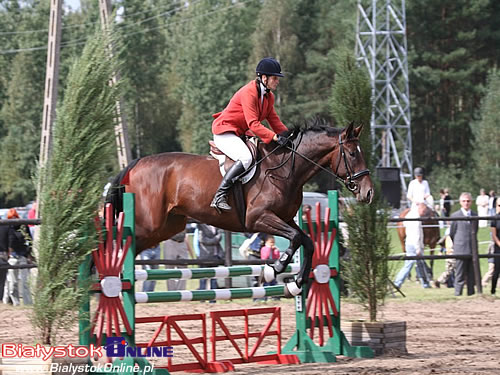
(418, 190)
(448, 275)
(177, 247)
(495, 234)
(270, 251)
(31, 216)
(491, 265)
(482, 207)
(414, 245)
(4, 256)
(19, 254)
(492, 203)
(210, 248)
(150, 254)
(447, 203)
(462, 234)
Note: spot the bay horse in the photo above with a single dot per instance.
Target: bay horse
(170, 187)
(431, 231)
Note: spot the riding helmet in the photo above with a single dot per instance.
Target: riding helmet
(269, 67)
(418, 171)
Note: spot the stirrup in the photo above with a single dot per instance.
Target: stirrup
(220, 203)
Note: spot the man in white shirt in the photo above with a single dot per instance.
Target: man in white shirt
(414, 245)
(418, 189)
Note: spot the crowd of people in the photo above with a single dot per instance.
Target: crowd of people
(459, 238)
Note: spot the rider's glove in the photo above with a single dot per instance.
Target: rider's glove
(282, 141)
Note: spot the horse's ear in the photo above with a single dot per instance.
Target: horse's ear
(357, 131)
(349, 130)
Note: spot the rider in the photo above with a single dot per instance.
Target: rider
(251, 104)
(418, 190)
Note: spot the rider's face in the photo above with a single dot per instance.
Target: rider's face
(271, 82)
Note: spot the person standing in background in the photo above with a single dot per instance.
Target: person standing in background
(482, 207)
(462, 234)
(414, 245)
(492, 203)
(447, 203)
(419, 191)
(177, 248)
(210, 239)
(4, 256)
(19, 254)
(152, 253)
(495, 235)
(32, 216)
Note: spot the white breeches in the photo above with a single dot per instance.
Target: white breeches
(232, 145)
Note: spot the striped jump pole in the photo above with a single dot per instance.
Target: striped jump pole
(204, 295)
(206, 273)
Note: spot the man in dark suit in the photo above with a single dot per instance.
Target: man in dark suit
(463, 233)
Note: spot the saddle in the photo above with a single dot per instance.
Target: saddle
(225, 162)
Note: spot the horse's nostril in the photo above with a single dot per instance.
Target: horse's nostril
(369, 195)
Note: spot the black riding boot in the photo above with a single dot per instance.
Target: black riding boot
(219, 202)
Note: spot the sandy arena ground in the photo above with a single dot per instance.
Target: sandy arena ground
(461, 336)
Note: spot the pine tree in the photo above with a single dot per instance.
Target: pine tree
(351, 99)
(450, 53)
(21, 98)
(367, 270)
(487, 139)
(72, 186)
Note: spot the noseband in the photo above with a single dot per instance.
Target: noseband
(351, 177)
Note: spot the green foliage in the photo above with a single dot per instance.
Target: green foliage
(21, 98)
(184, 60)
(367, 270)
(212, 48)
(351, 99)
(450, 53)
(453, 178)
(72, 186)
(487, 137)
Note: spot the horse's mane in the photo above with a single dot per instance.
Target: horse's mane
(315, 125)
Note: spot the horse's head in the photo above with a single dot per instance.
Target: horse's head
(349, 164)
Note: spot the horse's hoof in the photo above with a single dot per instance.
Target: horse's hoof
(292, 290)
(267, 274)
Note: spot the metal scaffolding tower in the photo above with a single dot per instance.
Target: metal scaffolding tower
(381, 47)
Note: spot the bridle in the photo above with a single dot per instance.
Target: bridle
(350, 181)
(351, 177)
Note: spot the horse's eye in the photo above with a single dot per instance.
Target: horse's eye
(352, 153)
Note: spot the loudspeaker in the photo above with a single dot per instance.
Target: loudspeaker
(391, 185)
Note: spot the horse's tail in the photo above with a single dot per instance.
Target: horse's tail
(117, 188)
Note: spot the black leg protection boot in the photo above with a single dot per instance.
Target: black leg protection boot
(219, 202)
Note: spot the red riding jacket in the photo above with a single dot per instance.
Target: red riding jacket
(244, 113)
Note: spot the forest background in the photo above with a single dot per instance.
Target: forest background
(183, 60)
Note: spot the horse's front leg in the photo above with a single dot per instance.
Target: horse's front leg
(271, 224)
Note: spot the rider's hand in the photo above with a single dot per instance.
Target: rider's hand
(282, 141)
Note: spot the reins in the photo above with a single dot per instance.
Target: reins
(351, 176)
(349, 181)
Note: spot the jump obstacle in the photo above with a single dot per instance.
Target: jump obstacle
(317, 337)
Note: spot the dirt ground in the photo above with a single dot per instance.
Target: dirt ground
(460, 336)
